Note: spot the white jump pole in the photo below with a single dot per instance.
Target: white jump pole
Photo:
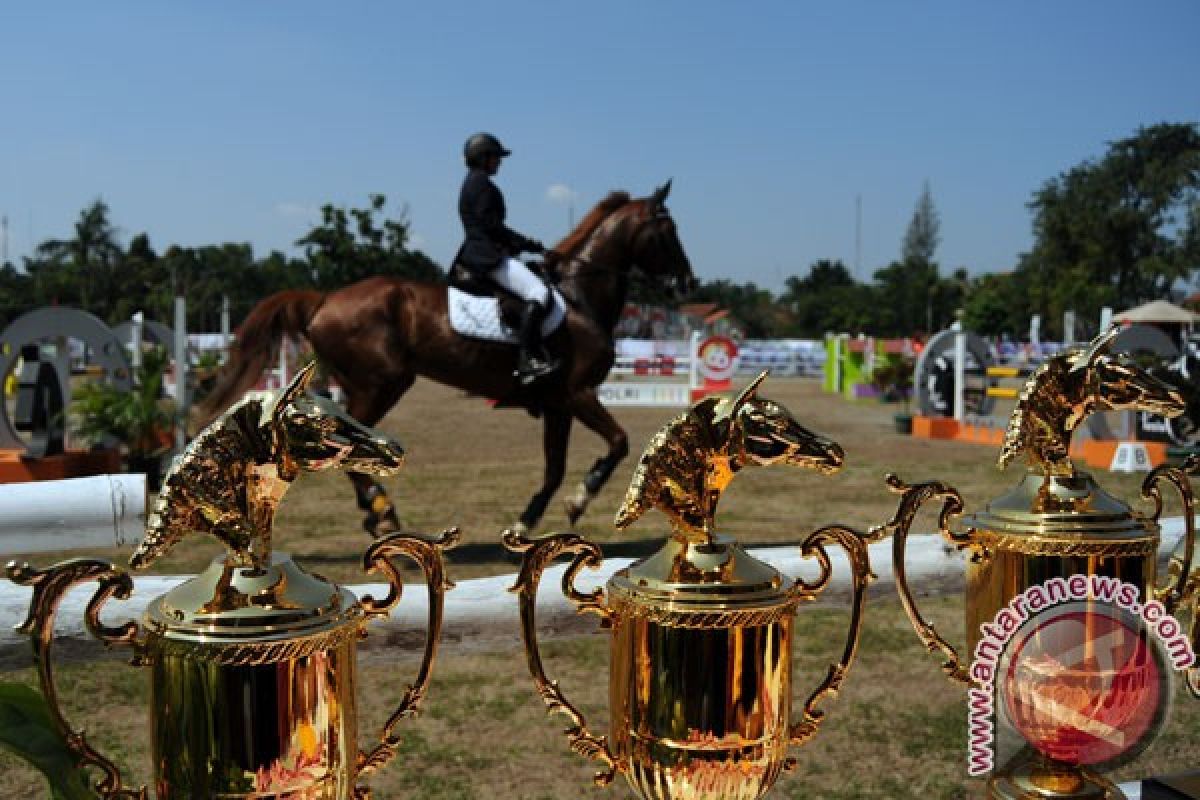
(92, 513)
(960, 375)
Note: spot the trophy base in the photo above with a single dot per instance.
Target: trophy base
(1040, 779)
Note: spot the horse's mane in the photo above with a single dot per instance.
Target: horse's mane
(574, 240)
(1015, 437)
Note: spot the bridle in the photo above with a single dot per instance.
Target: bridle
(588, 267)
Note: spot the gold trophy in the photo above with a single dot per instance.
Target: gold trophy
(252, 662)
(1057, 522)
(700, 673)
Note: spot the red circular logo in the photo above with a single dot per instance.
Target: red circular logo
(1085, 685)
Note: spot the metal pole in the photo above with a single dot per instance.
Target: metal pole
(693, 361)
(224, 326)
(857, 235)
(960, 375)
(135, 340)
(181, 372)
(283, 374)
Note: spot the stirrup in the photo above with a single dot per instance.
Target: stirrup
(531, 368)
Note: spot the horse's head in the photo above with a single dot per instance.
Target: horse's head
(655, 245)
(315, 433)
(764, 433)
(1114, 381)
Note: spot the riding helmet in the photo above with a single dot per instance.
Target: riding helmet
(481, 145)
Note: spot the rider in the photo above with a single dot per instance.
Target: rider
(490, 248)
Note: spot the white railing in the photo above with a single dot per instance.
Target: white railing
(478, 610)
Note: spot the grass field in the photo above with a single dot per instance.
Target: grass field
(897, 730)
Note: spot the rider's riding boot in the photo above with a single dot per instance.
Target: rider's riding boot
(534, 362)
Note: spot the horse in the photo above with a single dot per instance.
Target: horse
(375, 337)
(1067, 388)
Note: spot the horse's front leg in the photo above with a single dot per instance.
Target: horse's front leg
(588, 409)
(556, 432)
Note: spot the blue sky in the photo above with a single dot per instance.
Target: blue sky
(233, 121)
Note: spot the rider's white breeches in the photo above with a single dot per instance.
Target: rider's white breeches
(520, 280)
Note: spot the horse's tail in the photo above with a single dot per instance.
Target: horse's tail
(285, 313)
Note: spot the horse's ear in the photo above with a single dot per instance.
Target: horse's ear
(298, 385)
(660, 194)
(749, 391)
(1096, 348)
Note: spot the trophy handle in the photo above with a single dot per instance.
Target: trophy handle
(537, 554)
(813, 546)
(911, 500)
(1171, 596)
(428, 554)
(49, 586)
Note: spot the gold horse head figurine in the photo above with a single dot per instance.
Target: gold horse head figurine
(690, 462)
(230, 479)
(1070, 386)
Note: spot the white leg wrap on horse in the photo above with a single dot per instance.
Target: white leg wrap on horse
(578, 502)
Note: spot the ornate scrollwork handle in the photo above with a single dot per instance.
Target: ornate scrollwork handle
(536, 555)
(429, 555)
(1172, 595)
(813, 546)
(49, 587)
(911, 500)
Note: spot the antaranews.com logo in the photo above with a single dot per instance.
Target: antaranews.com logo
(1079, 668)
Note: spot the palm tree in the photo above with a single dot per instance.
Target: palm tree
(86, 261)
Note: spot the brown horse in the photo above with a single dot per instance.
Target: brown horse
(376, 336)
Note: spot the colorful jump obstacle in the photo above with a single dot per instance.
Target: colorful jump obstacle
(958, 384)
(850, 363)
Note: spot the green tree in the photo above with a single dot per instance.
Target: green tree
(997, 304)
(923, 234)
(351, 245)
(1118, 231)
(79, 271)
(827, 299)
(753, 308)
(138, 278)
(14, 294)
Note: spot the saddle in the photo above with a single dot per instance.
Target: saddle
(476, 285)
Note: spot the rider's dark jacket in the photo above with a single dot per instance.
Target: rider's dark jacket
(488, 240)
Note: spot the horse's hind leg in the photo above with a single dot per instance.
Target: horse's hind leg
(588, 409)
(368, 405)
(556, 432)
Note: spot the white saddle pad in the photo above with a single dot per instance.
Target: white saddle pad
(479, 317)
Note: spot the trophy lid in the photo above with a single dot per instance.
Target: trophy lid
(686, 572)
(229, 603)
(1070, 505)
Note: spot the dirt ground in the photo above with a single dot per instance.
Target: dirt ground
(897, 730)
